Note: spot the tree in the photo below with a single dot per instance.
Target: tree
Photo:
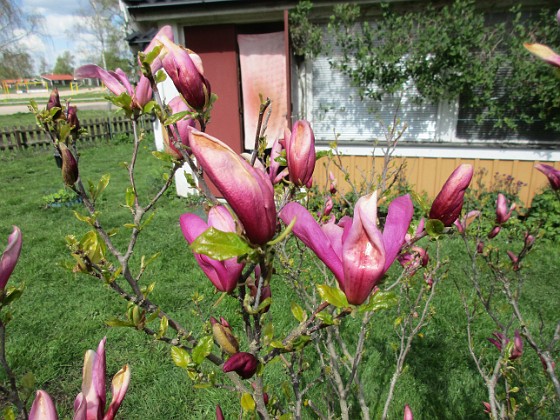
(103, 20)
(15, 65)
(64, 64)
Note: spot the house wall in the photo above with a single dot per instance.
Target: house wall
(428, 174)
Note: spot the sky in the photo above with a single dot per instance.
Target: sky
(59, 19)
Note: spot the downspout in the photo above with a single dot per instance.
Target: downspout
(287, 52)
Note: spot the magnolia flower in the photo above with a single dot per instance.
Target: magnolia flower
(72, 119)
(185, 70)
(517, 350)
(10, 256)
(248, 190)
(166, 31)
(274, 166)
(244, 364)
(449, 202)
(465, 222)
(90, 403)
(551, 173)
(544, 53)
(355, 250)
(502, 212)
(300, 152)
(43, 407)
(222, 274)
(117, 82)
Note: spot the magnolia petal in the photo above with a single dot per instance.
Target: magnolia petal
(80, 408)
(10, 256)
(123, 78)
(143, 92)
(222, 274)
(248, 190)
(551, 173)
(119, 386)
(91, 71)
(93, 405)
(310, 233)
(398, 220)
(98, 376)
(43, 407)
(220, 218)
(300, 152)
(166, 31)
(363, 253)
(544, 53)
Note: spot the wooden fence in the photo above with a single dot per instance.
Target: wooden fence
(32, 137)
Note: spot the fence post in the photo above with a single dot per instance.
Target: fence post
(110, 129)
(21, 139)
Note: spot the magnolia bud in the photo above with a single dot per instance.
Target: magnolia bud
(223, 335)
(54, 102)
(244, 364)
(494, 232)
(72, 119)
(448, 204)
(69, 165)
(219, 414)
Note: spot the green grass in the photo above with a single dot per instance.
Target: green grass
(25, 119)
(84, 96)
(62, 314)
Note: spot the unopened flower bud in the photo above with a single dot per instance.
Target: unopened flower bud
(480, 247)
(300, 153)
(219, 414)
(72, 119)
(448, 204)
(514, 259)
(69, 165)
(517, 346)
(408, 413)
(487, 407)
(529, 240)
(494, 232)
(223, 335)
(54, 102)
(10, 256)
(244, 364)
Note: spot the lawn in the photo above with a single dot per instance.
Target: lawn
(62, 314)
(25, 119)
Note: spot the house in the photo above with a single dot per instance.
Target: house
(58, 80)
(245, 48)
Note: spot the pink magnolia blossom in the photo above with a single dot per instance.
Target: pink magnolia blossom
(502, 212)
(185, 70)
(10, 256)
(248, 190)
(117, 82)
(500, 339)
(449, 202)
(551, 173)
(463, 224)
(544, 53)
(408, 413)
(222, 274)
(43, 407)
(355, 250)
(166, 31)
(300, 153)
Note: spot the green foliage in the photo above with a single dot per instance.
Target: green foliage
(545, 214)
(306, 38)
(452, 51)
(63, 197)
(64, 63)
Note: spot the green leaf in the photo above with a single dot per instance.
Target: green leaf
(380, 300)
(28, 381)
(161, 76)
(102, 184)
(298, 312)
(220, 245)
(322, 153)
(9, 413)
(129, 197)
(247, 402)
(202, 349)
(12, 294)
(434, 227)
(149, 107)
(119, 323)
(333, 295)
(163, 325)
(325, 318)
(172, 119)
(180, 357)
(148, 220)
(163, 156)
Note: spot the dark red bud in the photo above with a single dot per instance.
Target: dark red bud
(54, 101)
(219, 414)
(244, 364)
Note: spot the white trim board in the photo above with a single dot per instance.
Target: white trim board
(455, 153)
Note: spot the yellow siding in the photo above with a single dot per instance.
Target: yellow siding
(428, 174)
